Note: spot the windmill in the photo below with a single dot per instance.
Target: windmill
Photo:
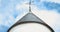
(30, 23)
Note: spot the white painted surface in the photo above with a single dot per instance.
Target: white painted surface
(30, 27)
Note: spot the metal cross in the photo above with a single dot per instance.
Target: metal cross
(30, 6)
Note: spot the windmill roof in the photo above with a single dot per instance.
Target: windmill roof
(30, 17)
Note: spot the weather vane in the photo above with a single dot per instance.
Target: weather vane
(30, 23)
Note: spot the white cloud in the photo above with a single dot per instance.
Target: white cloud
(23, 5)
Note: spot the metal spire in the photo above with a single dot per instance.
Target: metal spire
(30, 6)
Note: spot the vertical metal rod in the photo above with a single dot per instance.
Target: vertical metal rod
(30, 6)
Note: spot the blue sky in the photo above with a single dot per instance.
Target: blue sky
(13, 10)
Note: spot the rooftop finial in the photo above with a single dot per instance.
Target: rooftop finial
(30, 6)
